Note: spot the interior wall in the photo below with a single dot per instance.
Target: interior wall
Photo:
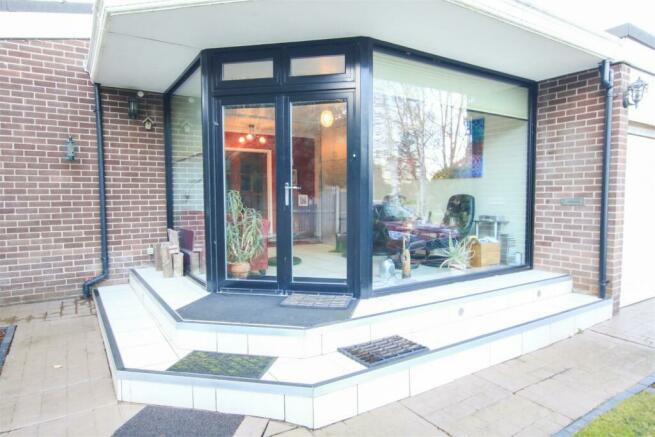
(500, 191)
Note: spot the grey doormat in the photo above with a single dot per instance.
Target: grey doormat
(260, 310)
(155, 421)
(320, 301)
(376, 352)
(221, 364)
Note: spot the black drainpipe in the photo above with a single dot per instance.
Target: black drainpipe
(100, 141)
(607, 80)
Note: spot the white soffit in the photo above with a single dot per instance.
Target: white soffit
(147, 44)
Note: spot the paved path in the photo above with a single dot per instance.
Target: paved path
(56, 382)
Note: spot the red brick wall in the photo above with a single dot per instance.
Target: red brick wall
(570, 122)
(49, 231)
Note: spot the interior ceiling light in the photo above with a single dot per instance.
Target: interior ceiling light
(250, 136)
(327, 118)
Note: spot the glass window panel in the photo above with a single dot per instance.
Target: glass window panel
(484, 95)
(249, 162)
(262, 69)
(187, 168)
(449, 173)
(318, 65)
(318, 192)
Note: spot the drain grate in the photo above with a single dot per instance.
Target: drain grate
(377, 352)
(326, 301)
(221, 364)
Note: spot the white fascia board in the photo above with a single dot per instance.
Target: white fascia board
(639, 56)
(97, 33)
(29, 25)
(525, 16)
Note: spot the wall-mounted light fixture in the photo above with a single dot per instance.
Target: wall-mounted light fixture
(71, 149)
(133, 105)
(634, 93)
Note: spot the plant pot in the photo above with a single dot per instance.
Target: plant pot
(238, 270)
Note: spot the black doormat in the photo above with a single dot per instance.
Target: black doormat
(6, 336)
(376, 352)
(260, 310)
(155, 421)
(326, 301)
(221, 364)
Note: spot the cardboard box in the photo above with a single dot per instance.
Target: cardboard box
(485, 254)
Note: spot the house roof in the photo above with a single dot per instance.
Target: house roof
(629, 30)
(146, 44)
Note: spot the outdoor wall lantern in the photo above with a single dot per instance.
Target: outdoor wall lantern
(634, 93)
(133, 105)
(71, 149)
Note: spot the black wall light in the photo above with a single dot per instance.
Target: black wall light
(634, 93)
(133, 105)
(71, 149)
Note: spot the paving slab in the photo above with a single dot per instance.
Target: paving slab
(56, 382)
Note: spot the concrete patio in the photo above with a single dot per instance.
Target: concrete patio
(56, 382)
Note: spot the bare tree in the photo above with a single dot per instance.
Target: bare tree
(420, 134)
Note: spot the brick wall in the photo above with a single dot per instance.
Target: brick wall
(570, 123)
(49, 232)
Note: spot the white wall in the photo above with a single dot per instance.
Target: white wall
(501, 190)
(638, 235)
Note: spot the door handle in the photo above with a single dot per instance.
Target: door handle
(287, 192)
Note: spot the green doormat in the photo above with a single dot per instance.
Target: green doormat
(220, 364)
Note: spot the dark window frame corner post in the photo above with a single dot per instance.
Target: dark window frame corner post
(533, 95)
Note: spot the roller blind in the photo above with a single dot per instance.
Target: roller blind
(392, 74)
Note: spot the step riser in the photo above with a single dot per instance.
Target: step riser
(301, 343)
(318, 406)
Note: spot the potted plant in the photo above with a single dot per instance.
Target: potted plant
(243, 235)
(458, 254)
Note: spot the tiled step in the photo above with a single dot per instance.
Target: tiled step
(320, 390)
(373, 318)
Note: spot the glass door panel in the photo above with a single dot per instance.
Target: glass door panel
(250, 208)
(317, 193)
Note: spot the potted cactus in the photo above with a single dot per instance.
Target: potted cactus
(243, 235)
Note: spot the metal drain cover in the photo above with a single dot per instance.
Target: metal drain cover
(377, 352)
(325, 301)
(221, 364)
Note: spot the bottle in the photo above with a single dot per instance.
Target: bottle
(406, 261)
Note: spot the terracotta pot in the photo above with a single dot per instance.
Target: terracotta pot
(239, 270)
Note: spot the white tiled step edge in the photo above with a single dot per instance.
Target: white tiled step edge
(317, 405)
(299, 342)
